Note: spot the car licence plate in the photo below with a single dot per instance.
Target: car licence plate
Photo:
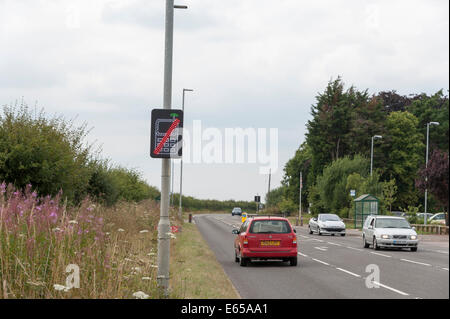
(399, 242)
(270, 243)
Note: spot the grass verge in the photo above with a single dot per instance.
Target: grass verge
(195, 272)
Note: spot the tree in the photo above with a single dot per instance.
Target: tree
(434, 177)
(434, 108)
(49, 154)
(389, 192)
(275, 196)
(328, 129)
(403, 147)
(301, 162)
(330, 191)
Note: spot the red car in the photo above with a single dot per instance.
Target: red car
(264, 238)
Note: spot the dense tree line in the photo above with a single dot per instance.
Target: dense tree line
(192, 204)
(335, 156)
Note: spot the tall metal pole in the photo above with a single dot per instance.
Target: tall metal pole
(426, 166)
(371, 152)
(180, 209)
(371, 157)
(426, 177)
(300, 200)
(270, 174)
(164, 222)
(172, 174)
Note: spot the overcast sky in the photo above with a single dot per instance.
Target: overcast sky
(252, 64)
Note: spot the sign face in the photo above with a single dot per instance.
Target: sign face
(352, 193)
(166, 133)
(257, 199)
(243, 217)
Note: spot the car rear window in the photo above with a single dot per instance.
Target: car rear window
(270, 227)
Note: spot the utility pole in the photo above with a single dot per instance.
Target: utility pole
(180, 209)
(371, 152)
(300, 201)
(426, 166)
(270, 173)
(164, 222)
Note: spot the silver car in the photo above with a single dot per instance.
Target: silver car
(389, 231)
(327, 224)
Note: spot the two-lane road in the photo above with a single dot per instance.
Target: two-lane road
(331, 267)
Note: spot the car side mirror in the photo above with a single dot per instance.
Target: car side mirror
(295, 230)
(413, 228)
(235, 231)
(370, 227)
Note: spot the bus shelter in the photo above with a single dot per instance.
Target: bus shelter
(365, 205)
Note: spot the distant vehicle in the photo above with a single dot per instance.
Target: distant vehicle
(389, 231)
(236, 211)
(439, 218)
(422, 215)
(264, 238)
(327, 224)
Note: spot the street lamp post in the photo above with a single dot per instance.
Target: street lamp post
(371, 152)
(164, 222)
(426, 165)
(180, 210)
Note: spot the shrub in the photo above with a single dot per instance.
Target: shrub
(48, 153)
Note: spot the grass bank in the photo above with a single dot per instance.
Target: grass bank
(195, 272)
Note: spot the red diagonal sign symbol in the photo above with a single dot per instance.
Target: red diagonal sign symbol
(169, 131)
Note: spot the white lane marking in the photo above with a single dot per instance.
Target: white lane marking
(303, 255)
(334, 244)
(372, 252)
(445, 269)
(354, 248)
(303, 236)
(317, 240)
(320, 261)
(415, 262)
(321, 248)
(349, 272)
(390, 288)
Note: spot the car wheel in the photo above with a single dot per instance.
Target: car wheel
(413, 248)
(236, 258)
(318, 231)
(366, 245)
(293, 261)
(375, 245)
(310, 231)
(342, 235)
(243, 261)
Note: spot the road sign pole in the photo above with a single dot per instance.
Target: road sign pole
(164, 222)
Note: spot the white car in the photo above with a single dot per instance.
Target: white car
(439, 218)
(389, 231)
(327, 224)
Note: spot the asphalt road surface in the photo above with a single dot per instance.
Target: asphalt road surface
(331, 267)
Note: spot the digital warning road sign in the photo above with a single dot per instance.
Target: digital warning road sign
(166, 133)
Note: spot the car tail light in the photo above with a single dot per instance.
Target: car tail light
(294, 241)
(245, 241)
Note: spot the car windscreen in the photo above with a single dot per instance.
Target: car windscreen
(237, 209)
(329, 217)
(391, 223)
(270, 227)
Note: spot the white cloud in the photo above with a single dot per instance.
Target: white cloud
(251, 63)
